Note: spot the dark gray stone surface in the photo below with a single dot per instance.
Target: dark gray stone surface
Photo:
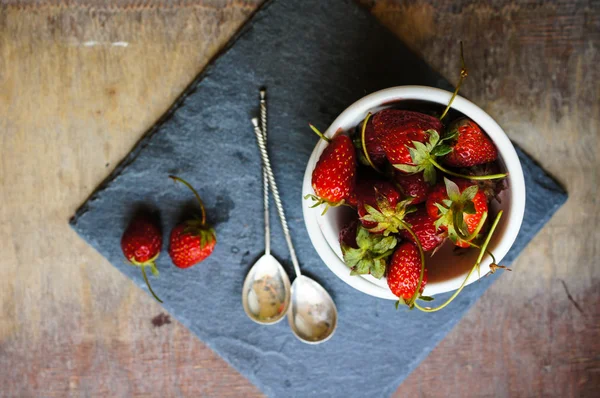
(316, 58)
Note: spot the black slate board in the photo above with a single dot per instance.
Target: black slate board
(316, 58)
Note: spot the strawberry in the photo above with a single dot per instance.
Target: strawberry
(398, 129)
(334, 175)
(369, 192)
(422, 224)
(412, 185)
(404, 271)
(460, 208)
(471, 146)
(141, 243)
(372, 144)
(370, 252)
(192, 240)
(348, 234)
(380, 207)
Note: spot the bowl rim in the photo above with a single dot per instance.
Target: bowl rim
(513, 215)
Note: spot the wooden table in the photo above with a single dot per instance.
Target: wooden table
(79, 84)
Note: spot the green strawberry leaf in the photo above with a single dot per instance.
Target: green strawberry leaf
(450, 136)
(460, 224)
(443, 210)
(378, 268)
(410, 209)
(425, 298)
(452, 234)
(434, 138)
(469, 208)
(452, 190)
(407, 168)
(441, 150)
(421, 149)
(363, 239)
(429, 173)
(384, 244)
(363, 267)
(352, 256)
(469, 193)
(438, 223)
(447, 202)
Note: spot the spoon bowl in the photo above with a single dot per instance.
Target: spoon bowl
(266, 291)
(312, 315)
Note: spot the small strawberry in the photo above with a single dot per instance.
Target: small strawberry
(471, 146)
(404, 272)
(334, 175)
(369, 254)
(422, 224)
(348, 235)
(370, 144)
(368, 192)
(192, 240)
(141, 243)
(413, 185)
(460, 208)
(380, 207)
(397, 131)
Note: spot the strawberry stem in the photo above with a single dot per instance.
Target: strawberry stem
(187, 184)
(143, 267)
(317, 132)
(364, 144)
(463, 75)
(476, 266)
(487, 251)
(413, 299)
(474, 178)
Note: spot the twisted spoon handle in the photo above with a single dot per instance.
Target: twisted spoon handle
(263, 120)
(267, 165)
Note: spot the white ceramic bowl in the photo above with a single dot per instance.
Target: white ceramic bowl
(445, 270)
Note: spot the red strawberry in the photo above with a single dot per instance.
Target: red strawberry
(380, 208)
(141, 243)
(334, 175)
(461, 198)
(192, 240)
(348, 234)
(404, 271)
(423, 226)
(397, 129)
(369, 192)
(373, 145)
(471, 145)
(413, 185)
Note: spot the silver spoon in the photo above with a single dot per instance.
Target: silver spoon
(313, 314)
(266, 290)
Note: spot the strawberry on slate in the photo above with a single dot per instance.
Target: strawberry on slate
(471, 146)
(141, 243)
(422, 224)
(404, 271)
(413, 185)
(370, 253)
(460, 208)
(334, 175)
(192, 240)
(380, 207)
(397, 130)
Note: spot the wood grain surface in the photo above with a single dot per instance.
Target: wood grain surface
(81, 82)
